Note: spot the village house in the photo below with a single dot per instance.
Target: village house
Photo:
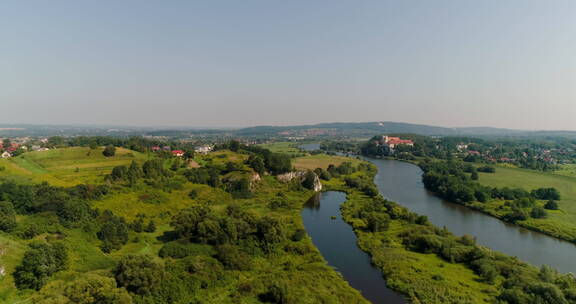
(462, 147)
(203, 149)
(178, 153)
(6, 154)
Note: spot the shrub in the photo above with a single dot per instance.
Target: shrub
(233, 258)
(109, 151)
(7, 216)
(538, 212)
(139, 274)
(551, 205)
(40, 262)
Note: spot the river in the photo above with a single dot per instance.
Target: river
(401, 182)
(337, 242)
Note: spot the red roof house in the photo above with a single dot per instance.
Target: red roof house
(178, 153)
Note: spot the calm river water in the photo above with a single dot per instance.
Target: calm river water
(337, 242)
(401, 182)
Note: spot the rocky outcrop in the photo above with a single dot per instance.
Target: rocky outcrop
(302, 176)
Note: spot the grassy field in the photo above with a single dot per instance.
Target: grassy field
(312, 162)
(560, 223)
(65, 167)
(567, 170)
(283, 147)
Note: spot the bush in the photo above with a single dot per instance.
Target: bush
(40, 262)
(486, 169)
(551, 205)
(7, 216)
(182, 249)
(139, 274)
(538, 212)
(299, 235)
(109, 151)
(546, 194)
(233, 258)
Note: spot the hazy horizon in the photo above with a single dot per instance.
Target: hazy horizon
(232, 64)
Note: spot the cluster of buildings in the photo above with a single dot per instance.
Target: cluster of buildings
(491, 155)
(180, 153)
(10, 149)
(393, 142)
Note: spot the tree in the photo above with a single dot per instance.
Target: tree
(257, 163)
(270, 230)
(233, 258)
(6, 143)
(234, 145)
(40, 262)
(109, 151)
(138, 225)
(175, 164)
(134, 172)
(186, 222)
(474, 175)
(188, 154)
(546, 194)
(139, 274)
(86, 289)
(114, 232)
(538, 212)
(7, 216)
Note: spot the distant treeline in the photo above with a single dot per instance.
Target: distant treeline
(135, 143)
(542, 154)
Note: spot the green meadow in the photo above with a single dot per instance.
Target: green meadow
(66, 166)
(560, 223)
(283, 147)
(312, 162)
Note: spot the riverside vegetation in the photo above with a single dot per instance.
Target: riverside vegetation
(431, 265)
(527, 198)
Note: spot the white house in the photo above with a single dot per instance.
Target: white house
(6, 154)
(203, 149)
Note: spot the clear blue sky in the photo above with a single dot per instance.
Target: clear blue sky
(238, 63)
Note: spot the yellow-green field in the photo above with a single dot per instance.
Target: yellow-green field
(66, 166)
(312, 162)
(560, 223)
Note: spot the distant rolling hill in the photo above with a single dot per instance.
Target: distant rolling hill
(349, 129)
(371, 128)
